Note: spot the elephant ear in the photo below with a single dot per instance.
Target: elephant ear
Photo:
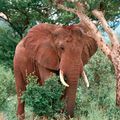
(38, 45)
(47, 57)
(89, 48)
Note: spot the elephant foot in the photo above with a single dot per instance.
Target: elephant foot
(70, 115)
(21, 117)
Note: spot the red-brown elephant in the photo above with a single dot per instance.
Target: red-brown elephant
(49, 49)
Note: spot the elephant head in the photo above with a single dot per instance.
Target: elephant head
(51, 49)
(74, 49)
(70, 42)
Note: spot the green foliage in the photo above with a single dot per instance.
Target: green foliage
(98, 101)
(8, 41)
(10, 108)
(94, 103)
(44, 100)
(110, 7)
(7, 86)
(25, 13)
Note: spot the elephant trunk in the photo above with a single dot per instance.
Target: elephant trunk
(71, 96)
(72, 74)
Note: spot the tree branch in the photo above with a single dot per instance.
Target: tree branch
(12, 26)
(112, 35)
(91, 29)
(67, 9)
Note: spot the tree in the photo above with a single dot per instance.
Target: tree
(111, 51)
(25, 13)
(8, 42)
(22, 14)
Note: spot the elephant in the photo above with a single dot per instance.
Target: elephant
(49, 49)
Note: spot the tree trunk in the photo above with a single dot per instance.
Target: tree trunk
(115, 57)
(117, 73)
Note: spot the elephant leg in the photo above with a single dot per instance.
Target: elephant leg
(20, 110)
(20, 88)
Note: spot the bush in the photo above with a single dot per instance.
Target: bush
(44, 100)
(98, 101)
(8, 42)
(7, 87)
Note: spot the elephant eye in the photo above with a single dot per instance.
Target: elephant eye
(62, 47)
(69, 40)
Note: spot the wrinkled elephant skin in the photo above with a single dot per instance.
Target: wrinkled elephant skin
(45, 50)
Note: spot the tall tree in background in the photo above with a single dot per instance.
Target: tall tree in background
(24, 13)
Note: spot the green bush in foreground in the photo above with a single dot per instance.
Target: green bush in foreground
(44, 100)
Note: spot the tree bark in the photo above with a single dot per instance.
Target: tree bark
(115, 52)
(107, 28)
(115, 57)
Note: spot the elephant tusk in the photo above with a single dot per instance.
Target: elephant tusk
(85, 78)
(62, 79)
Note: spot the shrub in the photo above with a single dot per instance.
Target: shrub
(44, 100)
(7, 87)
(98, 101)
(8, 42)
